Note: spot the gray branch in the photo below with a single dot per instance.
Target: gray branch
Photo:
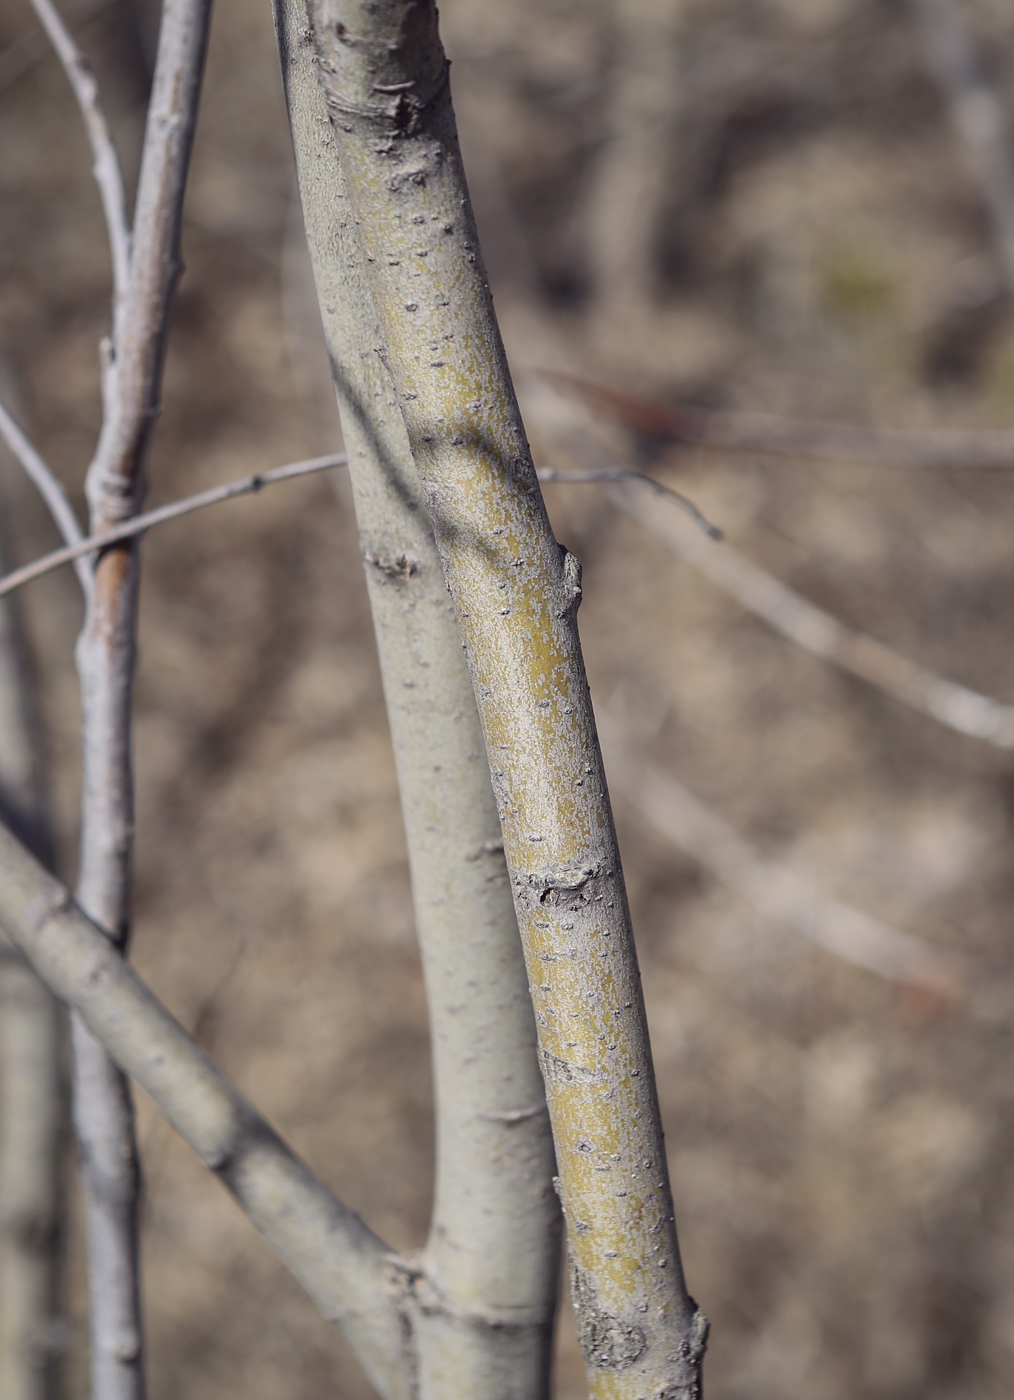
(140, 524)
(103, 1111)
(106, 168)
(32, 1110)
(480, 1305)
(49, 488)
(338, 1259)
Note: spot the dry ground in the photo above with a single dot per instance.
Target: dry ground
(752, 203)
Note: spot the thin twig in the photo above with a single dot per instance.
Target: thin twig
(106, 168)
(821, 634)
(785, 895)
(978, 116)
(139, 524)
(622, 474)
(50, 490)
(790, 437)
(27, 49)
(795, 617)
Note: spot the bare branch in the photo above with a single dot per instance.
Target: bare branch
(790, 437)
(133, 376)
(978, 116)
(816, 631)
(49, 488)
(783, 894)
(106, 168)
(795, 617)
(140, 524)
(23, 53)
(601, 474)
(336, 1257)
(103, 1111)
(32, 1115)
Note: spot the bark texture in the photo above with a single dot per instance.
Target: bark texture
(515, 593)
(482, 1300)
(347, 1269)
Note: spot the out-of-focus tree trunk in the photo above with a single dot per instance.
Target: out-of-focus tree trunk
(32, 1101)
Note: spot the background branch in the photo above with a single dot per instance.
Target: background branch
(339, 1260)
(139, 524)
(32, 1108)
(788, 896)
(49, 489)
(731, 431)
(106, 168)
(787, 611)
(103, 1111)
(821, 634)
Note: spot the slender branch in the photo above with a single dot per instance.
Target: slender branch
(140, 524)
(978, 116)
(790, 437)
(515, 593)
(32, 1113)
(106, 168)
(24, 52)
(337, 1258)
(50, 490)
(132, 381)
(103, 1110)
(479, 1309)
(601, 474)
(785, 895)
(821, 634)
(795, 617)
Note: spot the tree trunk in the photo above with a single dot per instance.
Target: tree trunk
(515, 593)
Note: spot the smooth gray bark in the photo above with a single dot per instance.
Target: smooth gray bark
(516, 593)
(481, 1304)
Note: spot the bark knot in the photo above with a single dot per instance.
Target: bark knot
(608, 1343)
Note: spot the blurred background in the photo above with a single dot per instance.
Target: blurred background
(751, 205)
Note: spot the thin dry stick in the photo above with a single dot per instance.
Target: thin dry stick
(106, 168)
(103, 1111)
(23, 53)
(730, 431)
(480, 1301)
(787, 611)
(978, 116)
(346, 1268)
(49, 489)
(515, 594)
(31, 1099)
(601, 474)
(776, 891)
(140, 524)
(816, 631)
